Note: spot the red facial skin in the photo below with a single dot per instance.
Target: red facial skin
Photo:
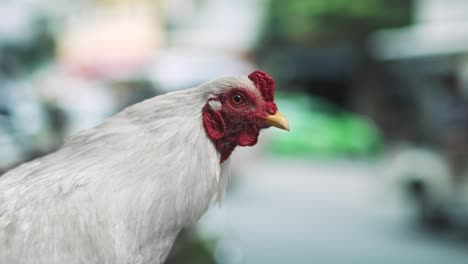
(239, 123)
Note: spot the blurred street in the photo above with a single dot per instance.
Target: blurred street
(375, 166)
(324, 212)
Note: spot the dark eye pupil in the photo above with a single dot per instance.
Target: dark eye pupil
(237, 98)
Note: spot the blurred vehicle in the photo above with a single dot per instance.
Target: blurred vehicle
(323, 129)
(425, 68)
(425, 179)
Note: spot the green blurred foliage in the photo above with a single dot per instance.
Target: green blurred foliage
(303, 20)
(189, 248)
(23, 57)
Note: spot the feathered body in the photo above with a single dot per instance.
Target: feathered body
(119, 192)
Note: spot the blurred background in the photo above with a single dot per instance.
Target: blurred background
(376, 91)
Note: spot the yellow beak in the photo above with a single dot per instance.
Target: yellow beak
(278, 120)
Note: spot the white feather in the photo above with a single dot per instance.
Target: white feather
(215, 105)
(119, 192)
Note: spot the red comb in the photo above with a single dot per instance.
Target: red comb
(264, 83)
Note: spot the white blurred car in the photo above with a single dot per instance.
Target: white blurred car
(425, 179)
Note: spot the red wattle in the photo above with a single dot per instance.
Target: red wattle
(248, 138)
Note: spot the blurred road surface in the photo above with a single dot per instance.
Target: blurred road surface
(280, 211)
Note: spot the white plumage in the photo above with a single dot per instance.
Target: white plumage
(119, 192)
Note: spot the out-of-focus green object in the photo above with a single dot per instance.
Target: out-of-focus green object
(301, 20)
(190, 248)
(321, 129)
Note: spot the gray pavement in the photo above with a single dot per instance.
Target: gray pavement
(280, 211)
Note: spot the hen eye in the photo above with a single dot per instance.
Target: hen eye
(237, 99)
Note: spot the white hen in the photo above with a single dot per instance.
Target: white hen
(121, 192)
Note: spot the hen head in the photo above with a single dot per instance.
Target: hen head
(237, 114)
